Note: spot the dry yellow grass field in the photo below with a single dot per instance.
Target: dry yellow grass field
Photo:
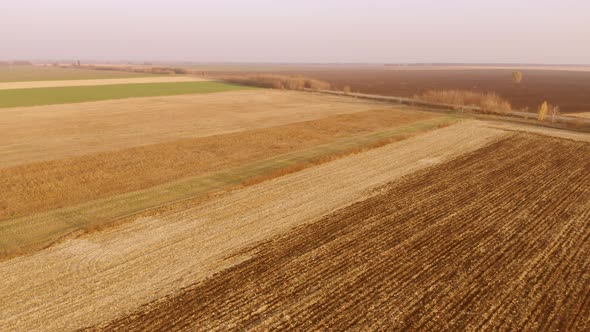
(44, 133)
(105, 81)
(42, 186)
(106, 274)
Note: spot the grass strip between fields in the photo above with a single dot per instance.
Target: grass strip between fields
(80, 94)
(34, 232)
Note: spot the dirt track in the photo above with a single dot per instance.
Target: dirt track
(496, 239)
(585, 115)
(107, 274)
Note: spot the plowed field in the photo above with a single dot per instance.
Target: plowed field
(566, 88)
(495, 239)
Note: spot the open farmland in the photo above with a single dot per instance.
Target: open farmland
(567, 87)
(25, 73)
(41, 133)
(224, 166)
(114, 270)
(64, 184)
(348, 238)
(80, 94)
(475, 260)
(95, 82)
(58, 183)
(262, 209)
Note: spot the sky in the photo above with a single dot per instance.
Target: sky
(298, 31)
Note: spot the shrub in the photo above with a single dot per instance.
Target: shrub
(162, 71)
(317, 84)
(180, 71)
(278, 82)
(490, 102)
(516, 77)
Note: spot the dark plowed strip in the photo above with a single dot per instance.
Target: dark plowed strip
(498, 238)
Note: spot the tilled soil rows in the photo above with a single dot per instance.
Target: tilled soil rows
(568, 89)
(495, 239)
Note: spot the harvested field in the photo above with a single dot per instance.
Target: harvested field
(567, 88)
(43, 186)
(34, 232)
(104, 275)
(496, 239)
(44, 133)
(51, 73)
(81, 94)
(94, 82)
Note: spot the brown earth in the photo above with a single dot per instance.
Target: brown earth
(99, 276)
(31, 134)
(43, 186)
(495, 239)
(570, 90)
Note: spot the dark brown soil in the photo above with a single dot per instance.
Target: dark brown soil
(496, 239)
(569, 90)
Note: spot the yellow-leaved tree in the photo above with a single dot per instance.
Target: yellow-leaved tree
(543, 111)
(516, 77)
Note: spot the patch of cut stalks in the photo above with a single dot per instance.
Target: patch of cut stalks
(488, 102)
(140, 69)
(273, 81)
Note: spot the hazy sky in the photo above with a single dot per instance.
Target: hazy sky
(532, 31)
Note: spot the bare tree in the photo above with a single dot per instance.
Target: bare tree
(554, 112)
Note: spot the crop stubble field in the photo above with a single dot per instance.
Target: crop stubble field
(59, 183)
(41, 133)
(25, 73)
(194, 153)
(355, 215)
(96, 82)
(112, 271)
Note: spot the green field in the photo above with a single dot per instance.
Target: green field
(79, 94)
(48, 73)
